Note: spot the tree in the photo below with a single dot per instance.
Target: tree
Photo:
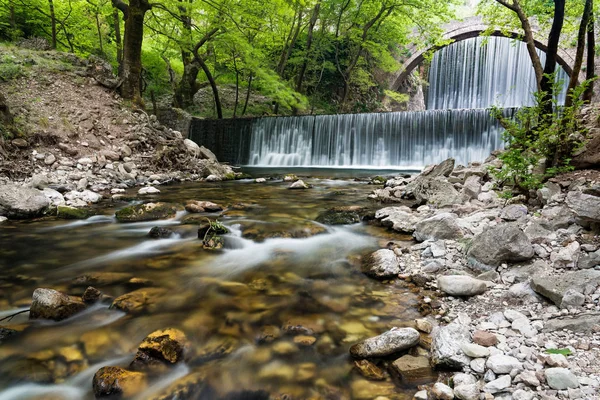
(131, 72)
(581, 38)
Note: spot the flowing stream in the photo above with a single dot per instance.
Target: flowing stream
(278, 268)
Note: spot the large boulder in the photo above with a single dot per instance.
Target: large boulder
(400, 219)
(436, 191)
(54, 305)
(390, 342)
(588, 156)
(556, 287)
(162, 348)
(441, 226)
(585, 206)
(461, 285)
(22, 202)
(382, 264)
(446, 346)
(502, 243)
(146, 212)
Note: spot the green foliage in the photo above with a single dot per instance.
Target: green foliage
(564, 352)
(9, 69)
(539, 141)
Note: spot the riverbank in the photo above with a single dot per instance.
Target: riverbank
(512, 287)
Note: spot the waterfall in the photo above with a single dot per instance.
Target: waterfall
(377, 140)
(485, 71)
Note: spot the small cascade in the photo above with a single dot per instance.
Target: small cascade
(378, 140)
(484, 72)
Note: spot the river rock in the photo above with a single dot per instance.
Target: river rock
(461, 285)
(472, 187)
(475, 350)
(382, 264)
(467, 392)
(194, 206)
(206, 154)
(400, 219)
(67, 212)
(22, 202)
(299, 184)
(503, 364)
(390, 342)
(160, 232)
(554, 288)
(446, 346)
(560, 378)
(148, 190)
(55, 197)
(498, 385)
(146, 212)
(54, 305)
(442, 391)
(116, 383)
(145, 299)
(585, 206)
(339, 216)
(434, 191)
(441, 226)
(192, 147)
(502, 243)
(413, 369)
(484, 338)
(586, 322)
(369, 370)
(161, 348)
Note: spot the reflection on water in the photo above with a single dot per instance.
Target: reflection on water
(274, 312)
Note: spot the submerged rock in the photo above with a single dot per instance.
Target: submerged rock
(390, 342)
(194, 206)
(139, 300)
(369, 370)
(299, 184)
(116, 383)
(382, 264)
(160, 232)
(22, 202)
(66, 212)
(162, 348)
(339, 216)
(146, 212)
(54, 305)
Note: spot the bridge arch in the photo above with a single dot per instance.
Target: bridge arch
(470, 30)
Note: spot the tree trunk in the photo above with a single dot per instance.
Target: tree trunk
(247, 94)
(131, 76)
(590, 72)
(53, 22)
(99, 32)
(213, 85)
(237, 85)
(583, 27)
(187, 87)
(309, 39)
(552, 53)
(118, 43)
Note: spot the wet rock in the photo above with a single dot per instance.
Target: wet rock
(556, 289)
(299, 184)
(446, 351)
(160, 232)
(22, 202)
(304, 340)
(400, 219)
(336, 216)
(366, 390)
(268, 334)
(139, 300)
(101, 279)
(381, 264)
(461, 285)
(146, 212)
(194, 206)
(116, 383)
(441, 226)
(6, 333)
(424, 325)
(413, 369)
(560, 378)
(369, 370)
(502, 243)
(91, 295)
(54, 305)
(161, 348)
(148, 190)
(66, 212)
(390, 342)
(442, 391)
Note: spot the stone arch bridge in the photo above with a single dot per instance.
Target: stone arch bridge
(470, 28)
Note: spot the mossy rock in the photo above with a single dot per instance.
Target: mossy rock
(146, 212)
(66, 212)
(340, 216)
(378, 180)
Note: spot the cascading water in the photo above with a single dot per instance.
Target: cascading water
(388, 140)
(485, 72)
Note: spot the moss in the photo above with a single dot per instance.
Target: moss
(146, 212)
(229, 177)
(334, 217)
(66, 212)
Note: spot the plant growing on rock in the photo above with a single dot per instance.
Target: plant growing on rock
(539, 144)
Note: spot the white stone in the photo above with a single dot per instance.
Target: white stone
(556, 360)
(148, 190)
(529, 378)
(260, 180)
(502, 364)
(512, 315)
(85, 161)
(299, 184)
(498, 385)
(420, 395)
(475, 350)
(460, 379)
(478, 365)
(521, 394)
(55, 197)
(3, 219)
(442, 391)
(561, 378)
(467, 392)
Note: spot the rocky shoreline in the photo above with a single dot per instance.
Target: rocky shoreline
(511, 289)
